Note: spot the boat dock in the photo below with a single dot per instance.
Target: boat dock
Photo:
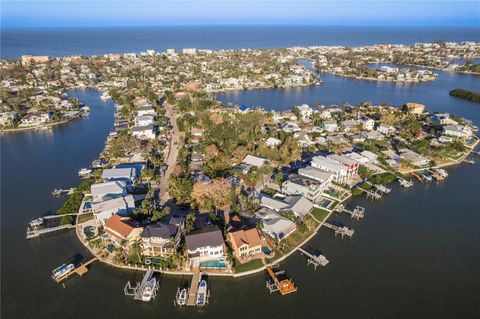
(34, 233)
(436, 175)
(405, 183)
(469, 161)
(373, 194)
(80, 270)
(418, 177)
(382, 188)
(137, 291)
(343, 231)
(279, 282)
(315, 260)
(59, 191)
(357, 213)
(192, 292)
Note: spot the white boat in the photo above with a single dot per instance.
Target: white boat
(201, 293)
(149, 290)
(405, 183)
(37, 222)
(182, 297)
(105, 96)
(84, 172)
(61, 271)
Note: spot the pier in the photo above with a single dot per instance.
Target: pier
(343, 231)
(193, 291)
(34, 233)
(373, 195)
(405, 183)
(59, 191)
(382, 188)
(357, 213)
(137, 291)
(279, 282)
(315, 260)
(80, 270)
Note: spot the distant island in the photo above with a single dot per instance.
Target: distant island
(466, 95)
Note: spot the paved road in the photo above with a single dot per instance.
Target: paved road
(171, 159)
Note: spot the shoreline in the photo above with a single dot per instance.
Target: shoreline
(39, 127)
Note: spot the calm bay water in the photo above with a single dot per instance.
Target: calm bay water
(90, 41)
(415, 254)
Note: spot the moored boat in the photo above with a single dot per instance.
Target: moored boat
(182, 297)
(37, 222)
(61, 271)
(84, 172)
(201, 293)
(149, 290)
(426, 177)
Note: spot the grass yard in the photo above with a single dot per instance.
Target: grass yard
(319, 214)
(253, 264)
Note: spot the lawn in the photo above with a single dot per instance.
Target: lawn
(254, 264)
(319, 214)
(83, 218)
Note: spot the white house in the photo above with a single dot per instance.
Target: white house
(457, 130)
(273, 142)
(330, 126)
(119, 174)
(105, 209)
(143, 120)
(204, 245)
(291, 127)
(368, 124)
(146, 110)
(340, 172)
(305, 110)
(386, 129)
(112, 189)
(275, 225)
(253, 160)
(143, 132)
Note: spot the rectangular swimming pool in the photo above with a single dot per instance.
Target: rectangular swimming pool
(213, 264)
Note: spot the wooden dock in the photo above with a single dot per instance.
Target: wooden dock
(80, 270)
(279, 282)
(34, 233)
(59, 191)
(315, 260)
(343, 231)
(192, 292)
(357, 213)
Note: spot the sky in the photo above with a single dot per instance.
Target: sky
(91, 13)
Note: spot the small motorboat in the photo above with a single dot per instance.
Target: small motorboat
(149, 290)
(84, 172)
(201, 293)
(37, 222)
(182, 297)
(426, 177)
(61, 271)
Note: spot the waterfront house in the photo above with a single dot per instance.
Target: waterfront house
(368, 124)
(414, 108)
(146, 110)
(417, 160)
(324, 177)
(126, 174)
(120, 229)
(273, 203)
(143, 120)
(275, 225)
(144, 132)
(205, 244)
(372, 157)
(304, 110)
(246, 244)
(340, 172)
(457, 130)
(105, 209)
(253, 160)
(301, 185)
(299, 205)
(102, 191)
(350, 163)
(161, 239)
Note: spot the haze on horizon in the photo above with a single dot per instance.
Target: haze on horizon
(89, 13)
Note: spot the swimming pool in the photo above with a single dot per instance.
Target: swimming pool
(213, 264)
(87, 205)
(325, 202)
(266, 250)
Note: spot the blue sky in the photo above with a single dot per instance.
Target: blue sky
(20, 13)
